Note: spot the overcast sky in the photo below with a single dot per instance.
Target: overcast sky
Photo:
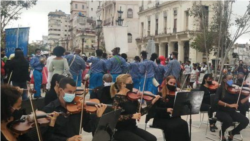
(37, 17)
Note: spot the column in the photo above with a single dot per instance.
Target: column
(180, 51)
(192, 53)
(162, 49)
(170, 47)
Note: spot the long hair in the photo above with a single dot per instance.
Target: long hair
(55, 78)
(19, 55)
(165, 90)
(117, 85)
(9, 96)
(205, 77)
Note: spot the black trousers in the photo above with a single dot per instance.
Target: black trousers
(175, 129)
(227, 119)
(210, 110)
(134, 135)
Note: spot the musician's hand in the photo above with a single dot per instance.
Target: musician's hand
(157, 97)
(233, 106)
(170, 110)
(137, 116)
(54, 115)
(19, 89)
(75, 138)
(100, 109)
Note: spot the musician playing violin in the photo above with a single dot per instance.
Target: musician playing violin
(11, 101)
(175, 128)
(227, 106)
(67, 128)
(206, 104)
(126, 126)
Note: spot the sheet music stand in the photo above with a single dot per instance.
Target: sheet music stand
(106, 126)
(187, 103)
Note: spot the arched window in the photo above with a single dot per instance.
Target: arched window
(130, 13)
(130, 39)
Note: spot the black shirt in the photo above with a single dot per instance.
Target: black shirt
(125, 121)
(66, 127)
(20, 69)
(50, 96)
(103, 94)
(206, 98)
(161, 107)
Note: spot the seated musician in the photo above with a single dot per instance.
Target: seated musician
(244, 106)
(67, 127)
(103, 92)
(206, 104)
(175, 128)
(126, 126)
(227, 106)
(11, 101)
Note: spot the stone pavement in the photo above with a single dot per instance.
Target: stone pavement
(198, 134)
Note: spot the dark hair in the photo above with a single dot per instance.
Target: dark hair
(37, 49)
(137, 58)
(9, 96)
(58, 51)
(56, 78)
(124, 56)
(63, 82)
(85, 58)
(99, 52)
(144, 54)
(205, 77)
(175, 54)
(153, 56)
(16, 49)
(19, 55)
(104, 55)
(158, 61)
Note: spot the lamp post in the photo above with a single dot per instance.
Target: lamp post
(119, 21)
(99, 30)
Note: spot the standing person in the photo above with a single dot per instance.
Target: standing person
(19, 67)
(134, 72)
(174, 128)
(149, 68)
(227, 106)
(187, 72)
(37, 63)
(240, 68)
(116, 65)
(104, 57)
(76, 65)
(159, 74)
(49, 59)
(59, 65)
(194, 75)
(173, 67)
(125, 57)
(97, 69)
(126, 125)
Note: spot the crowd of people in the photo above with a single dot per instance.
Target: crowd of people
(61, 75)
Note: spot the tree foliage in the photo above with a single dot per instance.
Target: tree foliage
(11, 10)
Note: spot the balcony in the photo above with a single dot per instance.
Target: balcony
(174, 30)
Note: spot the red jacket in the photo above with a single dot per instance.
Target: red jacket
(2, 68)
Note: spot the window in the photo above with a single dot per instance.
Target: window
(76, 6)
(130, 38)
(130, 13)
(82, 6)
(148, 28)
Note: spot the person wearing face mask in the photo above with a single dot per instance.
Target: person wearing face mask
(11, 101)
(67, 128)
(175, 128)
(126, 125)
(206, 104)
(103, 92)
(116, 65)
(37, 63)
(227, 106)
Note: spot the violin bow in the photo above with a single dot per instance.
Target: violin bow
(35, 119)
(83, 101)
(142, 91)
(241, 89)
(184, 82)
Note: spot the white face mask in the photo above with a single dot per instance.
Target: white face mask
(107, 84)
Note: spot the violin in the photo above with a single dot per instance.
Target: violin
(233, 90)
(89, 106)
(147, 96)
(214, 86)
(26, 122)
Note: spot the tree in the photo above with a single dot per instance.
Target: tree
(11, 10)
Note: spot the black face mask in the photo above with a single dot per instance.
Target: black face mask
(209, 82)
(17, 114)
(171, 87)
(130, 86)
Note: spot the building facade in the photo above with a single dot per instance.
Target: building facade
(58, 27)
(108, 14)
(172, 28)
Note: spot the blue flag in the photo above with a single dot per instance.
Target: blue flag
(16, 38)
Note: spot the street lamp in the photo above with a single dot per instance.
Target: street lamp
(119, 21)
(99, 30)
